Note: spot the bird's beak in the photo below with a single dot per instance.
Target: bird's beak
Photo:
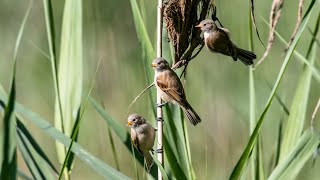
(129, 123)
(153, 65)
(199, 26)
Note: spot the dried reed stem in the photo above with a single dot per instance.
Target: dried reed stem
(159, 109)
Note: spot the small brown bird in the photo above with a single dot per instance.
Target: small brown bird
(171, 89)
(142, 137)
(218, 40)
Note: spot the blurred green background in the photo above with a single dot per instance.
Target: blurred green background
(216, 86)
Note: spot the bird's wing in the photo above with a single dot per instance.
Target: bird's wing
(226, 31)
(135, 140)
(169, 82)
(229, 44)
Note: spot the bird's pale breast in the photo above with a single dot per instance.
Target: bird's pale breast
(146, 136)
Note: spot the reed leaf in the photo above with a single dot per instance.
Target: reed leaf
(23, 176)
(70, 72)
(28, 139)
(175, 142)
(9, 147)
(148, 52)
(295, 122)
(36, 166)
(119, 130)
(291, 165)
(237, 171)
(93, 162)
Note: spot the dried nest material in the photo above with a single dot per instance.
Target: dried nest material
(181, 16)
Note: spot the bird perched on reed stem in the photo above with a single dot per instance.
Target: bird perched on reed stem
(171, 90)
(142, 137)
(218, 40)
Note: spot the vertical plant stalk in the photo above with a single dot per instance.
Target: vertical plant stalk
(159, 109)
(252, 102)
(52, 49)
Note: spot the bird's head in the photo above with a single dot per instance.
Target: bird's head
(135, 120)
(207, 25)
(160, 64)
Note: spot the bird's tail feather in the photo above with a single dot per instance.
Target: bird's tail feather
(246, 56)
(149, 160)
(191, 114)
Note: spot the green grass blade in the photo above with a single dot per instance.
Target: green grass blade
(172, 160)
(23, 176)
(111, 140)
(255, 158)
(70, 71)
(70, 156)
(148, 53)
(96, 164)
(113, 149)
(236, 173)
(314, 35)
(295, 122)
(74, 137)
(174, 134)
(291, 165)
(34, 157)
(163, 172)
(280, 101)
(25, 132)
(38, 170)
(49, 19)
(9, 152)
(279, 141)
(120, 131)
(314, 70)
(68, 161)
(187, 146)
(148, 50)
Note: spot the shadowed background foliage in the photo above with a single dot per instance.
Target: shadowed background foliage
(216, 86)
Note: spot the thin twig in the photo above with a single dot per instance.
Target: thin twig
(184, 71)
(136, 98)
(299, 19)
(275, 14)
(184, 62)
(254, 21)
